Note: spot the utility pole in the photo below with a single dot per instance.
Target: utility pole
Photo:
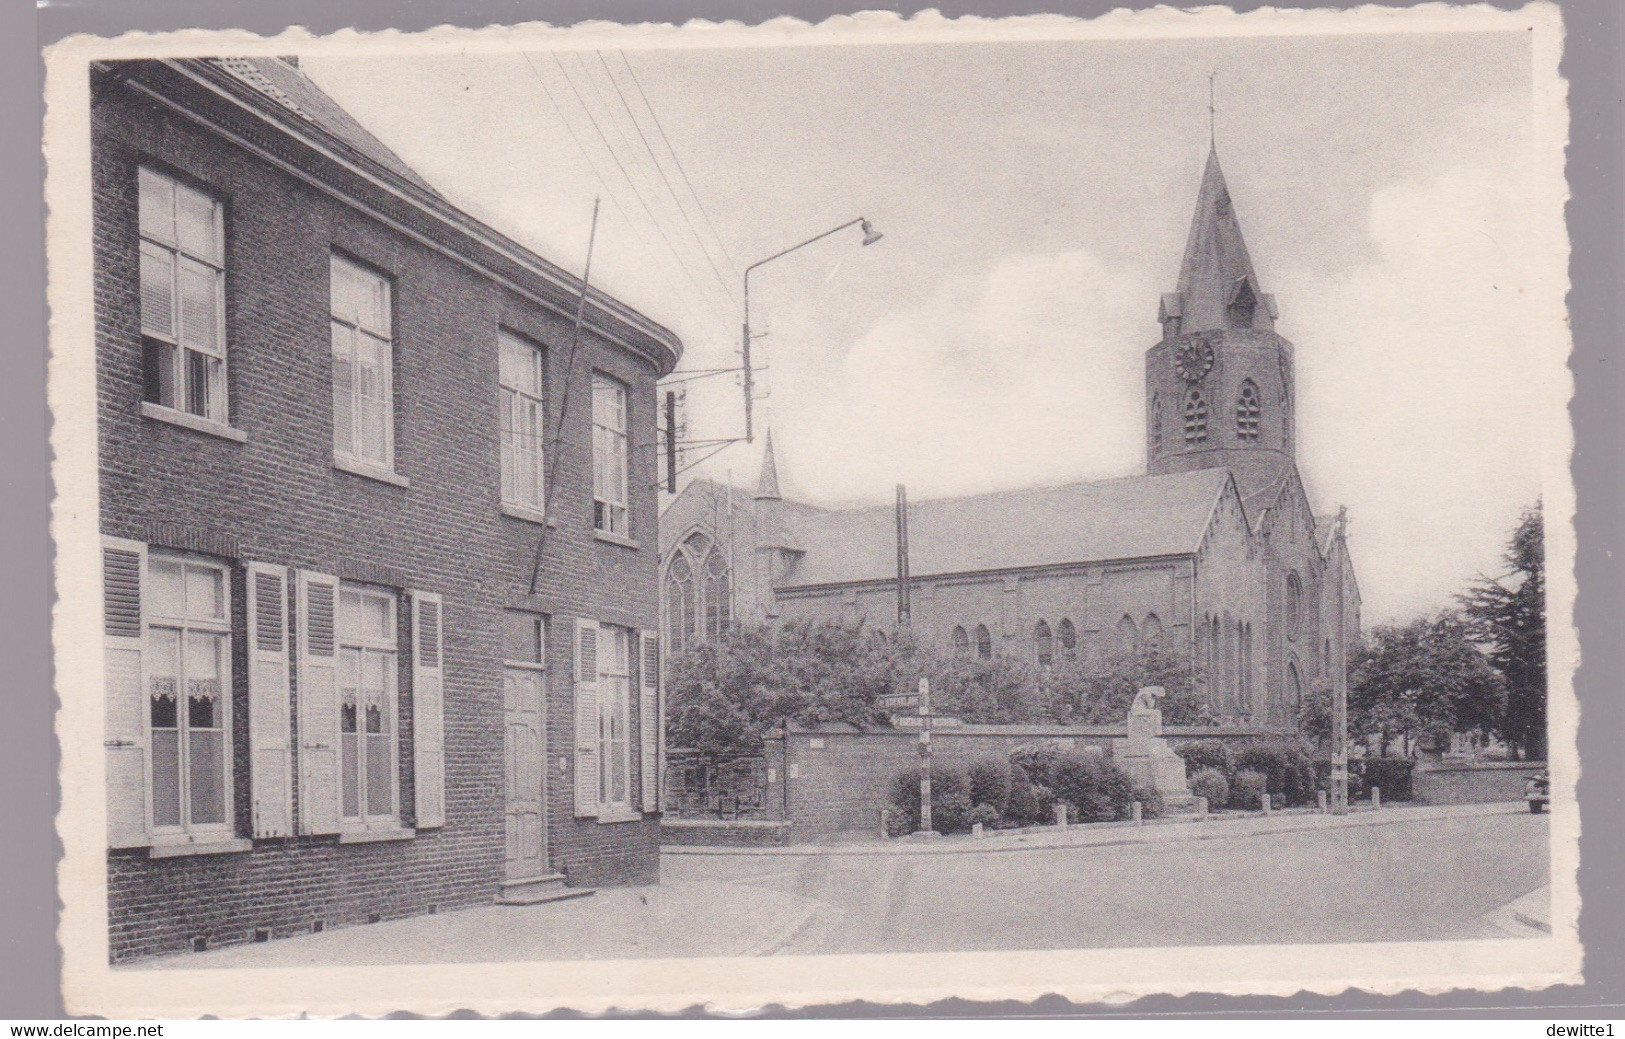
(903, 609)
(1340, 677)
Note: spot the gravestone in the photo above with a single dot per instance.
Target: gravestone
(1146, 756)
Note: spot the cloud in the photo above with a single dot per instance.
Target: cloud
(1028, 372)
(1426, 392)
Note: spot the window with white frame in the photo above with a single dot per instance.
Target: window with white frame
(188, 666)
(183, 284)
(614, 714)
(609, 455)
(368, 704)
(524, 422)
(363, 362)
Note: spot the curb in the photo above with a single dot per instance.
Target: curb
(1104, 835)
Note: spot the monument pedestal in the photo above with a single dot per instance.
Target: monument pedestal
(1148, 760)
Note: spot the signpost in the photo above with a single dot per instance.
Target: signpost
(918, 704)
(925, 756)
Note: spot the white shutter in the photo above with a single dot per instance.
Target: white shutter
(269, 739)
(318, 703)
(124, 571)
(586, 719)
(428, 710)
(649, 734)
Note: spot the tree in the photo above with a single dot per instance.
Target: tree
(1507, 616)
(1098, 690)
(1422, 678)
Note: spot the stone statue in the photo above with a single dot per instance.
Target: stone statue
(1144, 720)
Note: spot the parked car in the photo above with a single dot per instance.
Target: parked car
(1538, 792)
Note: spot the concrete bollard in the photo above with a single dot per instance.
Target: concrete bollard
(885, 824)
(1376, 797)
(1265, 803)
(1201, 807)
(1320, 795)
(1060, 815)
(1137, 813)
(976, 830)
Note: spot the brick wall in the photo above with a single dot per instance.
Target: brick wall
(1487, 782)
(277, 498)
(839, 778)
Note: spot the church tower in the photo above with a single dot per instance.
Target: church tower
(1219, 390)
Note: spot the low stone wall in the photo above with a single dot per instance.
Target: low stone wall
(1485, 782)
(725, 833)
(836, 778)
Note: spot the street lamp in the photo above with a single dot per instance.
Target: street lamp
(870, 237)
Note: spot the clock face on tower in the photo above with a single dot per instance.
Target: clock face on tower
(1194, 359)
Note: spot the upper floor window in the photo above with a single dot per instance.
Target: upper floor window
(363, 366)
(188, 665)
(524, 422)
(609, 455)
(368, 703)
(1247, 411)
(183, 284)
(1044, 643)
(1156, 423)
(984, 642)
(1195, 417)
(961, 642)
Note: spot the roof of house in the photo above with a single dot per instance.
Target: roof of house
(280, 80)
(1134, 517)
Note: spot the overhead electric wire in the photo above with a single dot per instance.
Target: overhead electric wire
(727, 286)
(593, 166)
(659, 228)
(661, 129)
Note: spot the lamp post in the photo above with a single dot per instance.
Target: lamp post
(870, 237)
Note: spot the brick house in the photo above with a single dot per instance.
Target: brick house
(1215, 551)
(379, 550)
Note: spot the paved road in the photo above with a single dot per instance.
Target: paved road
(1403, 881)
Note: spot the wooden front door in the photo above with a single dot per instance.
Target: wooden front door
(526, 741)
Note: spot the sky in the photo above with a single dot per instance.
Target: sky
(1034, 198)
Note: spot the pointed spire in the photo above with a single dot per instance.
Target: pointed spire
(767, 483)
(1217, 286)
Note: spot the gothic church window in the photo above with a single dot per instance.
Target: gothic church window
(1294, 686)
(697, 593)
(1069, 638)
(961, 642)
(1044, 642)
(1247, 411)
(1156, 423)
(1128, 637)
(1195, 417)
(984, 642)
(1151, 633)
(1294, 604)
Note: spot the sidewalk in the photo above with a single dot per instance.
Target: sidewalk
(1175, 828)
(698, 918)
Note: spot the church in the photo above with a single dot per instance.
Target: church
(1215, 551)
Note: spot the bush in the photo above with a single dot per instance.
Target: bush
(1038, 762)
(1211, 784)
(1288, 771)
(1096, 790)
(1247, 790)
(1029, 803)
(985, 814)
(1392, 775)
(990, 779)
(950, 798)
(1207, 754)
(1151, 805)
